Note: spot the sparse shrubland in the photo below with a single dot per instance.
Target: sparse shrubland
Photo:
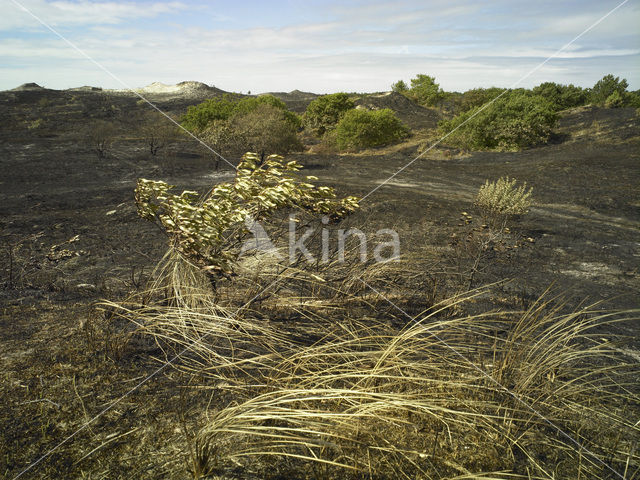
(360, 128)
(100, 136)
(355, 388)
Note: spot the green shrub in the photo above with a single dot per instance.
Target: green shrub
(615, 100)
(632, 99)
(325, 112)
(500, 200)
(361, 128)
(477, 97)
(562, 97)
(515, 121)
(607, 86)
(199, 117)
(264, 130)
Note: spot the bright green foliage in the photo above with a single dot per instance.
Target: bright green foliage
(361, 128)
(615, 100)
(199, 117)
(425, 90)
(400, 87)
(514, 121)
(209, 230)
(501, 199)
(562, 97)
(607, 86)
(325, 112)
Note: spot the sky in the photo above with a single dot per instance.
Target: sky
(317, 46)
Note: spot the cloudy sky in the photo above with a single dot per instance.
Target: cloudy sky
(320, 46)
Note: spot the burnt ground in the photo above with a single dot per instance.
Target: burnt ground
(70, 236)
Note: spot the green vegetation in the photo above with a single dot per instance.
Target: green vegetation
(500, 200)
(425, 90)
(199, 117)
(231, 127)
(477, 97)
(562, 97)
(265, 130)
(361, 128)
(400, 87)
(516, 120)
(324, 113)
(606, 87)
(208, 230)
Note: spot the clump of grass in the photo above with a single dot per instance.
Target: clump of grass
(338, 391)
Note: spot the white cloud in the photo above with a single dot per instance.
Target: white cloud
(84, 12)
(464, 45)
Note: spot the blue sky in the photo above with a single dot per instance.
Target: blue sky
(319, 46)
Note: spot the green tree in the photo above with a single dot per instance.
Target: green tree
(425, 90)
(198, 117)
(400, 87)
(606, 86)
(361, 128)
(325, 112)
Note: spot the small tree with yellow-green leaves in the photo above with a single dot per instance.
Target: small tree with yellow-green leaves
(209, 230)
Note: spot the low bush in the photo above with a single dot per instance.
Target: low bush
(361, 128)
(515, 121)
(500, 200)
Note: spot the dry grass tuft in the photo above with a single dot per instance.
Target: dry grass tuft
(312, 380)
